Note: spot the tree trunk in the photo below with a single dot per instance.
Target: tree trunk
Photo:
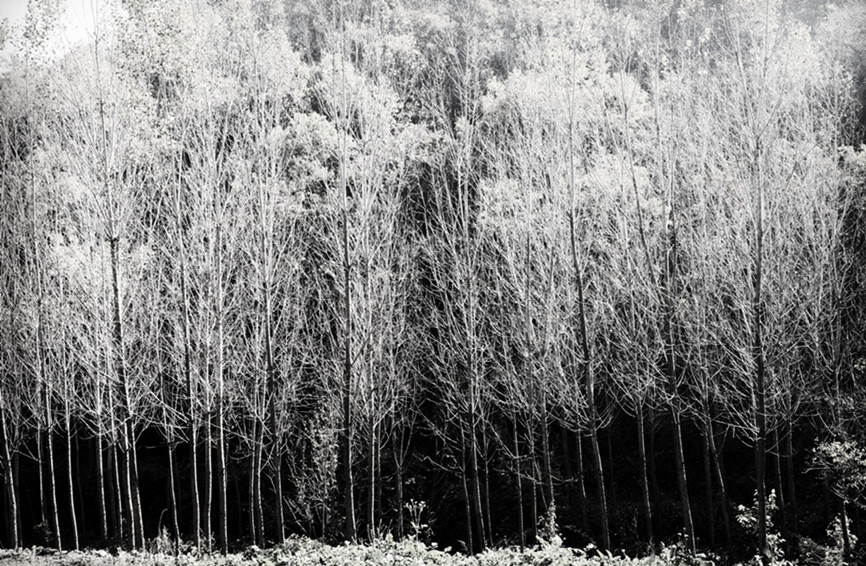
(644, 483)
(208, 476)
(533, 465)
(599, 484)
(221, 458)
(758, 357)
(136, 501)
(380, 485)
(780, 487)
(100, 487)
(277, 467)
(70, 473)
(792, 493)
(9, 478)
(581, 487)
(398, 485)
(468, 506)
(585, 348)
(123, 385)
(550, 518)
(193, 480)
(371, 480)
(115, 497)
(16, 468)
(846, 536)
(568, 470)
(487, 518)
(651, 456)
(708, 484)
(40, 471)
(52, 481)
(173, 496)
(78, 491)
(723, 490)
(682, 482)
(191, 390)
(257, 495)
(521, 528)
(127, 515)
(476, 484)
(251, 494)
(346, 436)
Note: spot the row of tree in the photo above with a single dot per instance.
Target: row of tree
(322, 253)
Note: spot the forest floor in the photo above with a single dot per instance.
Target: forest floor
(305, 552)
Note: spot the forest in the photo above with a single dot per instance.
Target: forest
(481, 274)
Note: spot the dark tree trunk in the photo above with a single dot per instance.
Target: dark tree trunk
(644, 483)
(720, 478)
(521, 528)
(792, 493)
(708, 484)
(14, 532)
(581, 487)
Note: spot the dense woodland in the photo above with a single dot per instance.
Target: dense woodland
(479, 272)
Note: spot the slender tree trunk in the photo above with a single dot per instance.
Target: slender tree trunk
(222, 501)
(568, 470)
(277, 469)
(723, 491)
(78, 491)
(599, 484)
(533, 465)
(586, 352)
(581, 487)
(221, 448)
(259, 510)
(40, 470)
(671, 354)
(100, 487)
(487, 516)
(127, 515)
(348, 480)
(9, 478)
(208, 475)
(380, 484)
(70, 473)
(644, 483)
(792, 493)
(16, 468)
(760, 409)
(127, 433)
(521, 528)
(398, 485)
(548, 476)
(49, 421)
(52, 480)
(172, 492)
(191, 390)
(651, 456)
(115, 497)
(251, 495)
(466, 497)
(139, 518)
(780, 487)
(371, 479)
(708, 487)
(846, 536)
(476, 484)
(682, 482)
(169, 444)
